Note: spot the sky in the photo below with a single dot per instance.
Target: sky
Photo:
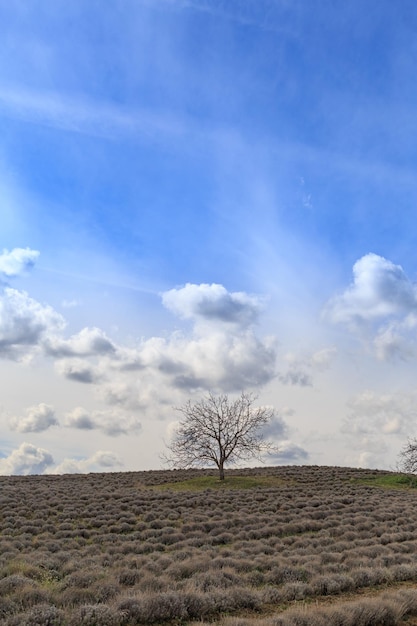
(206, 196)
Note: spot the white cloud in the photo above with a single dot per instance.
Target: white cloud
(101, 461)
(222, 355)
(25, 460)
(70, 304)
(79, 370)
(223, 361)
(79, 418)
(213, 303)
(170, 368)
(321, 360)
(24, 323)
(289, 452)
(17, 261)
(368, 452)
(397, 339)
(376, 414)
(381, 303)
(112, 423)
(302, 367)
(88, 342)
(380, 289)
(128, 359)
(276, 429)
(38, 418)
(296, 376)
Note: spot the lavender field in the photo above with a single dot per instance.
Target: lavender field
(273, 546)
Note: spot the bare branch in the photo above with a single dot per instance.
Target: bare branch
(408, 457)
(217, 430)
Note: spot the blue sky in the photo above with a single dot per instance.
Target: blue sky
(206, 195)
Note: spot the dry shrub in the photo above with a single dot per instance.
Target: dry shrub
(129, 577)
(95, 615)
(11, 583)
(105, 591)
(295, 591)
(75, 596)
(151, 608)
(31, 596)
(44, 615)
(331, 584)
(370, 613)
(206, 581)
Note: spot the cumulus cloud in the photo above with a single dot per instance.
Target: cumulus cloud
(381, 414)
(295, 376)
(397, 339)
(222, 361)
(112, 423)
(88, 342)
(79, 370)
(26, 459)
(17, 261)
(127, 359)
(80, 418)
(289, 452)
(122, 393)
(24, 323)
(380, 289)
(37, 419)
(220, 353)
(224, 355)
(215, 360)
(101, 461)
(381, 303)
(301, 368)
(276, 428)
(370, 452)
(213, 303)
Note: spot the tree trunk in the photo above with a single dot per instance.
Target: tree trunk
(221, 471)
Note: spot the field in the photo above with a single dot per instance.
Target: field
(281, 546)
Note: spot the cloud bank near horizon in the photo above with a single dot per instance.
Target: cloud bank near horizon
(220, 352)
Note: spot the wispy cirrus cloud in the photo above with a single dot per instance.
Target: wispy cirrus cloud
(81, 115)
(244, 13)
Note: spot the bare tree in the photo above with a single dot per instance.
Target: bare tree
(408, 457)
(218, 430)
